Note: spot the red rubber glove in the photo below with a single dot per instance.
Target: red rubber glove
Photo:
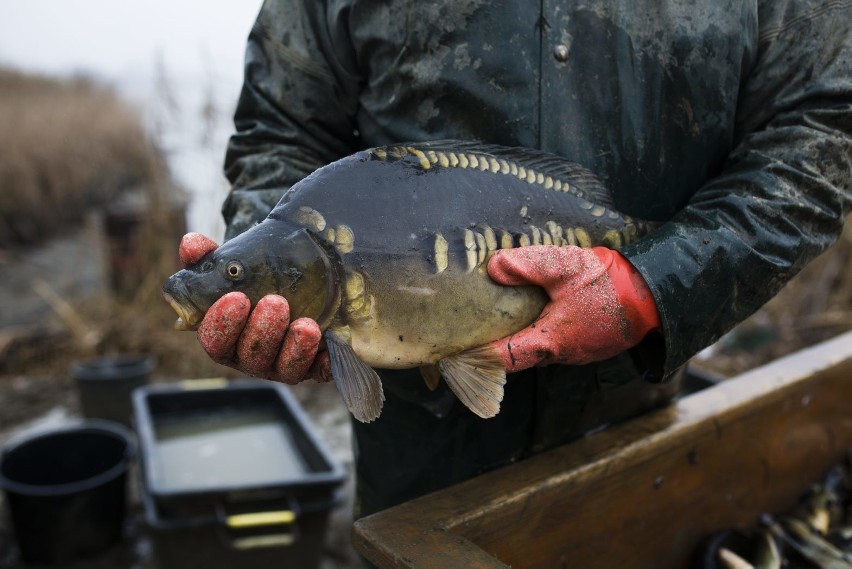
(599, 305)
(260, 342)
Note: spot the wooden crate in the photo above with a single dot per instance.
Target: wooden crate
(644, 493)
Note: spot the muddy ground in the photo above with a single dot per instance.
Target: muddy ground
(38, 345)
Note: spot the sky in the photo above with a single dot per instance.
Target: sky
(119, 37)
(194, 47)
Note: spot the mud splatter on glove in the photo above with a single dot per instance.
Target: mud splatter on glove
(599, 305)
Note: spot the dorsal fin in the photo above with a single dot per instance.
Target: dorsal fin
(581, 180)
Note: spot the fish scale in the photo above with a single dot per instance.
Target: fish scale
(387, 250)
(445, 199)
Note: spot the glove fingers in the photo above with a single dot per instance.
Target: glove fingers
(298, 351)
(193, 246)
(222, 325)
(264, 332)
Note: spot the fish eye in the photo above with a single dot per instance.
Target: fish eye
(234, 270)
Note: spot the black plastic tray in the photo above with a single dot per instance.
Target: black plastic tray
(317, 489)
(264, 524)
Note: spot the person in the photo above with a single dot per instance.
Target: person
(728, 123)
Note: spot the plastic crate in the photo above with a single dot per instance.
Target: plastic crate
(233, 474)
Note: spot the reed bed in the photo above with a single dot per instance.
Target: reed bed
(72, 152)
(67, 145)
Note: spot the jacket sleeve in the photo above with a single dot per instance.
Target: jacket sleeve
(297, 107)
(784, 191)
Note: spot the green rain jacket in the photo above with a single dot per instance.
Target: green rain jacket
(729, 121)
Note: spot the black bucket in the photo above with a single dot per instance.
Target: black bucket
(66, 489)
(106, 385)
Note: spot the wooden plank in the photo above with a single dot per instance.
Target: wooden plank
(644, 493)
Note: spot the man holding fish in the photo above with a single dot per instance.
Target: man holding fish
(725, 127)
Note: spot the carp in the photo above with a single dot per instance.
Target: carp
(387, 250)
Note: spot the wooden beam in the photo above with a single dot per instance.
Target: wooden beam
(643, 493)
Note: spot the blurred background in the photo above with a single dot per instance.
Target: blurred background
(178, 64)
(114, 119)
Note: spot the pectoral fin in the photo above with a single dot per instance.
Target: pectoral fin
(431, 376)
(358, 383)
(476, 377)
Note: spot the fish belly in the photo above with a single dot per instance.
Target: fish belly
(411, 318)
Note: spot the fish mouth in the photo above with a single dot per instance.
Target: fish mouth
(188, 316)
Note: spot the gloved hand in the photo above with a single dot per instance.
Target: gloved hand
(261, 342)
(599, 305)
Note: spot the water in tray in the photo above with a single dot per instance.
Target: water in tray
(225, 449)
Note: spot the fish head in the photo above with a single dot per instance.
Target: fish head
(259, 262)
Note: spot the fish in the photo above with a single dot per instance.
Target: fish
(387, 250)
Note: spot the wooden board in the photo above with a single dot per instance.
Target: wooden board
(644, 493)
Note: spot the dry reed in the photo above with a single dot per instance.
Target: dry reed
(67, 144)
(72, 148)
